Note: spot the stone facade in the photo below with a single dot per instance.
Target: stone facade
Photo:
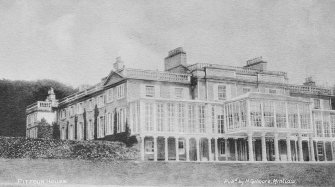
(205, 112)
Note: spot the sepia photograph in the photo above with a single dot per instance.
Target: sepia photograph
(167, 93)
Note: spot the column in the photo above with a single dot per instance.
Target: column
(155, 148)
(311, 144)
(187, 140)
(142, 148)
(263, 148)
(226, 147)
(251, 154)
(210, 149)
(177, 149)
(198, 151)
(166, 147)
(276, 147)
(301, 157)
(216, 149)
(236, 154)
(324, 150)
(288, 147)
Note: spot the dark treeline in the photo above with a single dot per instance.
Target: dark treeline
(15, 96)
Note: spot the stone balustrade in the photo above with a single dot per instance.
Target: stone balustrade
(157, 75)
(310, 90)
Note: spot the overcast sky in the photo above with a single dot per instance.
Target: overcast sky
(76, 42)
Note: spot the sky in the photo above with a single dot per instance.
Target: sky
(76, 41)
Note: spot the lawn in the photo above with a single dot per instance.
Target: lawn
(161, 173)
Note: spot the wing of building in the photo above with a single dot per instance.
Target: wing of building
(200, 112)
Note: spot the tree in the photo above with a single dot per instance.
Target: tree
(44, 129)
(17, 95)
(55, 131)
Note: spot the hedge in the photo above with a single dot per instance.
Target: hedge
(14, 147)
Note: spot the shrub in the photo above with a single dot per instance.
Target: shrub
(11, 147)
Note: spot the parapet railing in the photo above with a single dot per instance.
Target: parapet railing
(157, 75)
(199, 66)
(39, 105)
(80, 94)
(310, 90)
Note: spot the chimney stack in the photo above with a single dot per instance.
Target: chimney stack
(175, 58)
(256, 64)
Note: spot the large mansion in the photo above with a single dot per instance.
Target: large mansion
(200, 112)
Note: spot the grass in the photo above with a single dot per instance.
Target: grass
(106, 172)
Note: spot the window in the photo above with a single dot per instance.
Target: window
(202, 119)
(181, 117)
(149, 146)
(332, 122)
(326, 128)
(120, 91)
(220, 124)
(268, 110)
(120, 120)
(243, 109)
(80, 108)
(191, 118)
(160, 116)
(304, 116)
(149, 117)
(171, 115)
(281, 114)
(246, 90)
(90, 129)
(255, 113)
(292, 115)
(149, 91)
(181, 146)
(109, 123)
(272, 91)
(179, 93)
(101, 127)
(80, 131)
(110, 95)
(222, 92)
(236, 111)
(318, 123)
(317, 104)
(229, 116)
(100, 101)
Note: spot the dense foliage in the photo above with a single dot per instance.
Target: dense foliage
(15, 96)
(17, 147)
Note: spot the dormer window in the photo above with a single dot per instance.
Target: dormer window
(149, 91)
